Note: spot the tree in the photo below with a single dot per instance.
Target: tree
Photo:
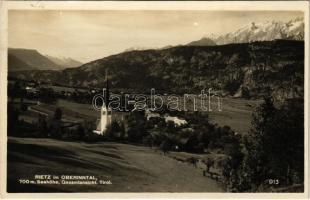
(165, 145)
(17, 88)
(56, 124)
(80, 132)
(23, 106)
(275, 144)
(137, 126)
(114, 130)
(42, 126)
(13, 119)
(58, 114)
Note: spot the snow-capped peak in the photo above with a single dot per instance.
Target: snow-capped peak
(263, 31)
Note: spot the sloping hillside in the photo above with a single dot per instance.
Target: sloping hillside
(28, 59)
(128, 167)
(65, 62)
(248, 70)
(17, 64)
(202, 42)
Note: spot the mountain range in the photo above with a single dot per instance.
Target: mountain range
(30, 59)
(254, 60)
(262, 31)
(65, 62)
(205, 41)
(243, 70)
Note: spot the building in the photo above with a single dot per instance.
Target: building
(177, 121)
(104, 121)
(105, 112)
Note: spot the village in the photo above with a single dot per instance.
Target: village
(40, 117)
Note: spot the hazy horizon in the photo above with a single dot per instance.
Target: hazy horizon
(89, 35)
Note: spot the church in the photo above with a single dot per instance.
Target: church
(105, 119)
(107, 114)
(105, 111)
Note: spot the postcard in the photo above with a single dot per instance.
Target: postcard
(154, 99)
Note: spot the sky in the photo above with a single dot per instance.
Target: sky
(90, 35)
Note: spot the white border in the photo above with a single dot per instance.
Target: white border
(149, 5)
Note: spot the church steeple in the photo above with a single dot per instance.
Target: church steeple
(106, 112)
(107, 90)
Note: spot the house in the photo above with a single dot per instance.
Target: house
(177, 121)
(149, 114)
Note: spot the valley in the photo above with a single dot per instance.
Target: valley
(248, 70)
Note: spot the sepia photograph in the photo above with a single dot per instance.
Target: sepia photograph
(156, 100)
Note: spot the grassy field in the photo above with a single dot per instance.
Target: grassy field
(236, 113)
(74, 112)
(83, 109)
(130, 168)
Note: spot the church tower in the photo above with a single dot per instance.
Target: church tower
(105, 112)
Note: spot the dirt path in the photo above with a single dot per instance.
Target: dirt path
(130, 168)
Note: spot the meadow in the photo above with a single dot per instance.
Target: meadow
(130, 168)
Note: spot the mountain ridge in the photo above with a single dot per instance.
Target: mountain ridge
(259, 31)
(20, 59)
(205, 41)
(32, 58)
(65, 62)
(244, 69)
